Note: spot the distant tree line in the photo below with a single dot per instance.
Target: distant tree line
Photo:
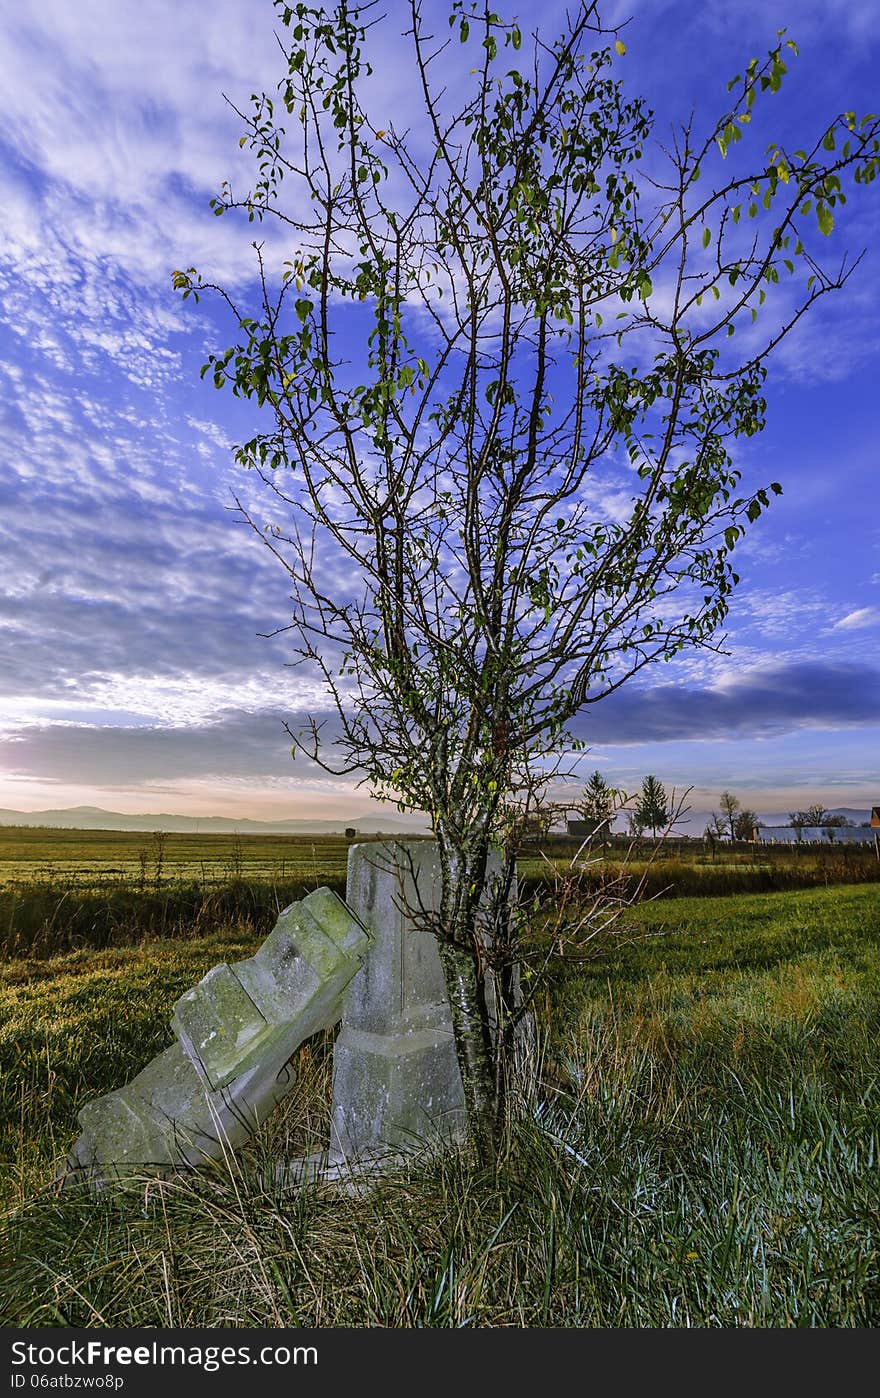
(817, 815)
(598, 804)
(733, 820)
(653, 809)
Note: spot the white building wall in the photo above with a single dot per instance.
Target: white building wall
(816, 835)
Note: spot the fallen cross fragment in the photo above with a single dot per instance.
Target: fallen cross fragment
(236, 1030)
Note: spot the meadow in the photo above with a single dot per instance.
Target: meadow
(65, 889)
(102, 859)
(701, 1150)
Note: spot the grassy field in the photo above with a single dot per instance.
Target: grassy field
(102, 859)
(703, 1150)
(61, 890)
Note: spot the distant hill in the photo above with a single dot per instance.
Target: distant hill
(94, 818)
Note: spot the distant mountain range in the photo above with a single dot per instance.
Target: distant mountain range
(94, 818)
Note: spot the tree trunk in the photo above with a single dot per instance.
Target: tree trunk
(471, 1030)
(477, 997)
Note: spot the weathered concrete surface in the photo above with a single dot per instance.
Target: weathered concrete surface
(296, 982)
(237, 1030)
(396, 1080)
(166, 1117)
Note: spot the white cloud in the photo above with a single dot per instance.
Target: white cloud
(854, 621)
(786, 613)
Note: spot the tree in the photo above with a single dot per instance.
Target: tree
(813, 815)
(729, 812)
(744, 824)
(598, 802)
(652, 807)
(734, 820)
(463, 360)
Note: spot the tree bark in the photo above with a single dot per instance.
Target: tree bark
(471, 1030)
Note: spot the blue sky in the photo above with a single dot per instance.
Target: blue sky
(132, 670)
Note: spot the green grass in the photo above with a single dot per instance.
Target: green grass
(705, 1151)
(65, 889)
(102, 859)
(678, 868)
(76, 1025)
(50, 919)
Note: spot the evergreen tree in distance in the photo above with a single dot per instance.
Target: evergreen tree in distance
(598, 803)
(652, 807)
